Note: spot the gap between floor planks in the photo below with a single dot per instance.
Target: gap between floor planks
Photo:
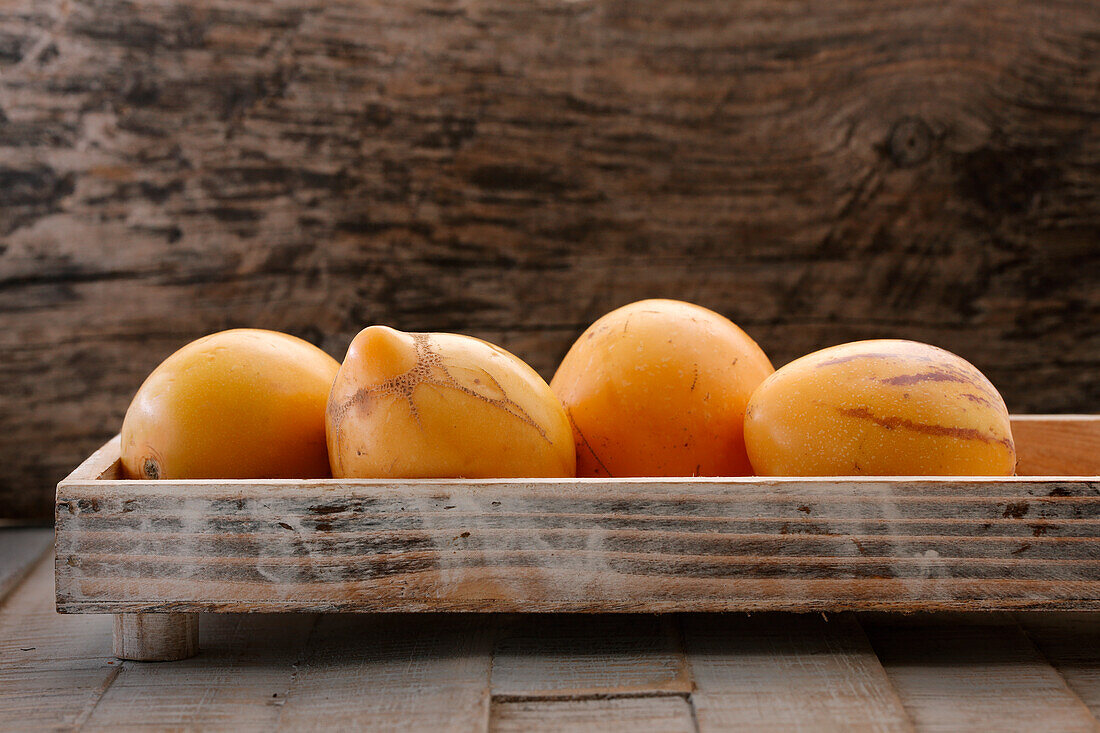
(932, 660)
(468, 672)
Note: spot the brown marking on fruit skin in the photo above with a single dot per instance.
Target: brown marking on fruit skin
(150, 468)
(503, 403)
(428, 362)
(585, 443)
(933, 375)
(939, 372)
(862, 413)
(872, 355)
(980, 400)
(989, 398)
(950, 372)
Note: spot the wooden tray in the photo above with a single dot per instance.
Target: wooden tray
(158, 553)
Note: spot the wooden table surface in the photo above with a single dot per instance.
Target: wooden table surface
(477, 672)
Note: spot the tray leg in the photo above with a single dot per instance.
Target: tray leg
(156, 637)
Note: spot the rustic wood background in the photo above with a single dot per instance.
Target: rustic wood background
(819, 172)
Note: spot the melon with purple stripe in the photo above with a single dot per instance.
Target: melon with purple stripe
(882, 407)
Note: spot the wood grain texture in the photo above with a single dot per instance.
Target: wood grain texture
(819, 173)
(588, 656)
(393, 673)
(601, 715)
(53, 669)
(156, 637)
(1071, 643)
(1057, 445)
(973, 672)
(239, 682)
(788, 672)
(292, 672)
(575, 545)
(20, 549)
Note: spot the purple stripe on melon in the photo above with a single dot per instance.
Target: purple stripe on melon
(891, 422)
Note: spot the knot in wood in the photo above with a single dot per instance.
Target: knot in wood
(910, 142)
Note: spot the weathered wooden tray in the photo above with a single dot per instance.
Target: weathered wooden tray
(157, 553)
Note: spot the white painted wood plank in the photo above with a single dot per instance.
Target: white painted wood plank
(393, 673)
(239, 681)
(973, 672)
(670, 714)
(787, 672)
(571, 656)
(632, 545)
(53, 668)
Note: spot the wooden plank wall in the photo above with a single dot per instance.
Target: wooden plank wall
(818, 172)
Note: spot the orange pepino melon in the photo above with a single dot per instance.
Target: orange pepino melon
(245, 403)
